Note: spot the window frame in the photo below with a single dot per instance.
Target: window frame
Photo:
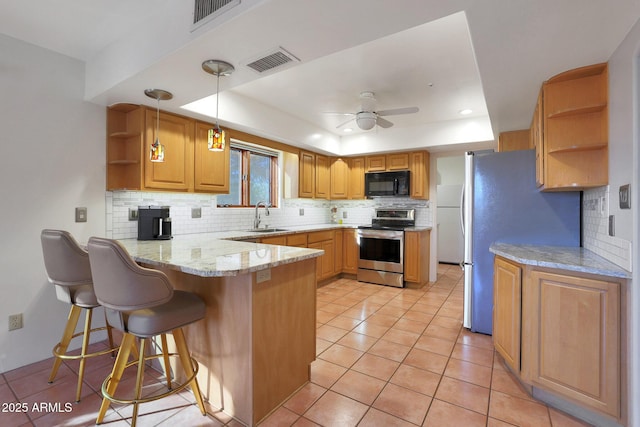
(246, 149)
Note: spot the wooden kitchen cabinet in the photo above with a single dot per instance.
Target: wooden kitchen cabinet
(125, 132)
(339, 177)
(338, 252)
(307, 177)
(356, 177)
(176, 134)
(419, 166)
(323, 177)
(416, 256)
(575, 129)
(298, 240)
(274, 240)
(561, 332)
(514, 140)
(211, 168)
(576, 323)
(537, 139)
(507, 292)
(397, 161)
(351, 251)
(376, 163)
(323, 240)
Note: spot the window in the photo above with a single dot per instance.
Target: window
(253, 176)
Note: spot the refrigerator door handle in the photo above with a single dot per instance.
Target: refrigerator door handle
(462, 210)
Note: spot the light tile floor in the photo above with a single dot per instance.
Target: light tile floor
(386, 357)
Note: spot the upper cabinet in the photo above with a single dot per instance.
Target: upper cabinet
(419, 166)
(211, 168)
(356, 177)
(307, 175)
(575, 129)
(176, 134)
(188, 166)
(339, 178)
(323, 181)
(515, 140)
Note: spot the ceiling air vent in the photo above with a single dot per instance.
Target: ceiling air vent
(272, 60)
(206, 10)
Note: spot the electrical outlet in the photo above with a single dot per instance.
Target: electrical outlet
(15, 321)
(624, 192)
(612, 225)
(133, 214)
(344, 214)
(196, 212)
(263, 275)
(81, 214)
(301, 212)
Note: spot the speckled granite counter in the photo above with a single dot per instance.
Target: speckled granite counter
(207, 255)
(565, 258)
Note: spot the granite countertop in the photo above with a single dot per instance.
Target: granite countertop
(207, 255)
(566, 258)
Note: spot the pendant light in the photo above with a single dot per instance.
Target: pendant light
(156, 152)
(215, 136)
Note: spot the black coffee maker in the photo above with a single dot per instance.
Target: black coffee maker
(154, 223)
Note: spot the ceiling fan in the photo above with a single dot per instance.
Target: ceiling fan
(368, 117)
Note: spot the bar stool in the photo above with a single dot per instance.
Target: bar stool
(142, 303)
(67, 266)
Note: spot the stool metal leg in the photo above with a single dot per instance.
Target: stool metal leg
(139, 379)
(165, 357)
(185, 359)
(85, 345)
(128, 341)
(67, 335)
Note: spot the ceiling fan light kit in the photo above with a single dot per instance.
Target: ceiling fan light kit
(367, 118)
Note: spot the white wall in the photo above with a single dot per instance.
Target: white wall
(52, 161)
(624, 159)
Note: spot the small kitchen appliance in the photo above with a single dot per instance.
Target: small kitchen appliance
(154, 223)
(387, 184)
(381, 247)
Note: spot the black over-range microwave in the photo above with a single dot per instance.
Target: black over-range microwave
(387, 184)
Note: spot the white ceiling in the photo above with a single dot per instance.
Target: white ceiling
(490, 56)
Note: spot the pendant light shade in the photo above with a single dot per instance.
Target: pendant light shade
(156, 150)
(215, 136)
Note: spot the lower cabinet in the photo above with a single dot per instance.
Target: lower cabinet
(507, 291)
(416, 256)
(351, 251)
(325, 263)
(561, 332)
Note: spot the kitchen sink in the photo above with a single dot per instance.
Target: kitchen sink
(266, 230)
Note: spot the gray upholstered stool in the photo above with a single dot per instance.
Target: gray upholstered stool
(67, 266)
(142, 303)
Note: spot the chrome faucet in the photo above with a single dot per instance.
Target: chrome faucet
(256, 220)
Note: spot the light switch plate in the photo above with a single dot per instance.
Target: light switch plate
(81, 214)
(612, 225)
(625, 196)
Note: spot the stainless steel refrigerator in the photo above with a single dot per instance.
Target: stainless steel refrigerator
(501, 203)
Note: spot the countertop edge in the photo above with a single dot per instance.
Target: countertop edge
(576, 259)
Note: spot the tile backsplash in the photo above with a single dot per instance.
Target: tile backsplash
(595, 229)
(292, 212)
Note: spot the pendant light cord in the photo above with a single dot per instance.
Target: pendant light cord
(217, 97)
(158, 122)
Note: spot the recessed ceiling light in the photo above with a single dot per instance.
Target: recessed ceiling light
(465, 112)
(348, 130)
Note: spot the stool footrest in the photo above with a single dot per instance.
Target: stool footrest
(174, 389)
(58, 353)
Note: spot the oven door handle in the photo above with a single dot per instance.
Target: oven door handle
(381, 234)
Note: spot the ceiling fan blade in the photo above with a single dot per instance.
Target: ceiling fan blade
(406, 110)
(383, 123)
(335, 113)
(342, 124)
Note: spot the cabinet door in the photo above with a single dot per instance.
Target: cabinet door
(338, 252)
(537, 140)
(176, 134)
(420, 175)
(576, 323)
(307, 170)
(275, 240)
(211, 168)
(298, 240)
(514, 140)
(376, 163)
(396, 162)
(319, 260)
(351, 251)
(411, 257)
(507, 315)
(356, 177)
(328, 260)
(339, 178)
(323, 177)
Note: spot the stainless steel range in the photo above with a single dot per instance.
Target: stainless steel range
(381, 244)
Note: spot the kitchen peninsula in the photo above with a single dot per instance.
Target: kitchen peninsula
(257, 340)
